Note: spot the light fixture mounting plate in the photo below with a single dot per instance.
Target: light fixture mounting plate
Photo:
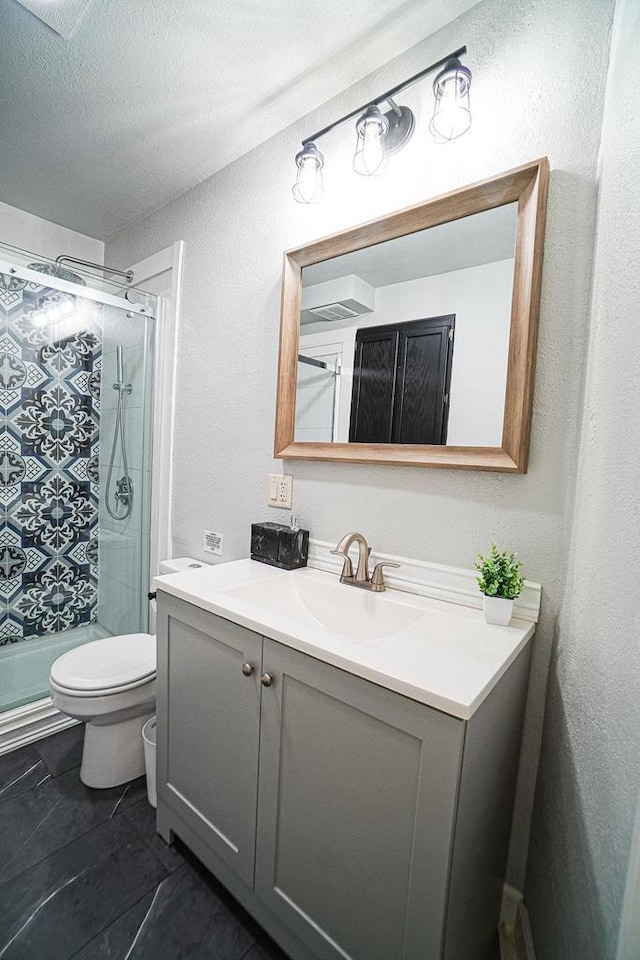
(401, 127)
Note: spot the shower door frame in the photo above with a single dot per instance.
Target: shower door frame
(168, 260)
(39, 718)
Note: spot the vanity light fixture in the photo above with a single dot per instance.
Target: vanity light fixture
(380, 134)
(451, 114)
(370, 158)
(308, 187)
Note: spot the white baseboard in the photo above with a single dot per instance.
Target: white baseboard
(516, 939)
(33, 721)
(524, 935)
(511, 900)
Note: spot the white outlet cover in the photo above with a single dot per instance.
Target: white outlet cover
(280, 490)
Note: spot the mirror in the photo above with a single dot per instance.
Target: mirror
(412, 339)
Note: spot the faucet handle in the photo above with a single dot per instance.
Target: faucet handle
(347, 569)
(377, 577)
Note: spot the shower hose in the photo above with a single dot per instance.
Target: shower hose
(123, 494)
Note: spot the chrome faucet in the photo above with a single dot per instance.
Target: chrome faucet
(361, 578)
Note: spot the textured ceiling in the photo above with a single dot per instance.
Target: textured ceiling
(148, 97)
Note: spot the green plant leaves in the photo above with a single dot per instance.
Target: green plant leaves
(500, 574)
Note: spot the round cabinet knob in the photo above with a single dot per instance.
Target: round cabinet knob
(266, 679)
(247, 669)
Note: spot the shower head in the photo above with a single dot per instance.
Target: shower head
(53, 270)
(119, 364)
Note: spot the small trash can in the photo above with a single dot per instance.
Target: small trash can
(149, 740)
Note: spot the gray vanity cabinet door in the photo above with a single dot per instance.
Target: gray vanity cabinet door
(209, 729)
(357, 798)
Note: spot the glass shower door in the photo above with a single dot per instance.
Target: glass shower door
(125, 471)
(60, 552)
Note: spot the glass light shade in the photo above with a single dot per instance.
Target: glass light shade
(308, 187)
(370, 158)
(452, 113)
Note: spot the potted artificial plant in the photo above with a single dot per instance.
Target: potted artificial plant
(501, 582)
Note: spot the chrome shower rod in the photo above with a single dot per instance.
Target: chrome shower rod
(128, 274)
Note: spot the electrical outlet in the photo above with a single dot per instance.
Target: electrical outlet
(280, 490)
(212, 542)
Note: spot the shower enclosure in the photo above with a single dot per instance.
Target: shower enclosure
(76, 408)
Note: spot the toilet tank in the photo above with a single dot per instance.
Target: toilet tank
(179, 564)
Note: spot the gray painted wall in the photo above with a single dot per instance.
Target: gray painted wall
(590, 766)
(539, 76)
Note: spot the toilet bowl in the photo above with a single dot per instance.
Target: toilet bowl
(110, 685)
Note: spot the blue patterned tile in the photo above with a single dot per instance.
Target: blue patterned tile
(13, 561)
(10, 291)
(56, 424)
(65, 357)
(10, 628)
(57, 598)
(16, 468)
(85, 552)
(16, 561)
(49, 459)
(56, 513)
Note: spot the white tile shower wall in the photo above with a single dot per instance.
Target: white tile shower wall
(528, 101)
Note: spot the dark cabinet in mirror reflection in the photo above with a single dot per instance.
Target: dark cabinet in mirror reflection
(401, 382)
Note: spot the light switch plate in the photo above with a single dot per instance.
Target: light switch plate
(280, 491)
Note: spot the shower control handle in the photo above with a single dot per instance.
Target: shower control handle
(247, 669)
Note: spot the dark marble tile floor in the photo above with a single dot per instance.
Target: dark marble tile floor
(84, 875)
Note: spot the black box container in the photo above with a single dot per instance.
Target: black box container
(279, 545)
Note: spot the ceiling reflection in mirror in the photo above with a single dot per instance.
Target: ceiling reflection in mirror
(407, 341)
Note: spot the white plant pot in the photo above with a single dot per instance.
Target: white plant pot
(498, 610)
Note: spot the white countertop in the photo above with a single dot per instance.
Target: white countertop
(443, 655)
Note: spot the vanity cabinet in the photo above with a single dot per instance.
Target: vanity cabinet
(351, 821)
(209, 731)
(356, 807)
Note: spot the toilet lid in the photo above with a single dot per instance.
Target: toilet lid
(105, 664)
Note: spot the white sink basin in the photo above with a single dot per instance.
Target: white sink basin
(359, 615)
(438, 653)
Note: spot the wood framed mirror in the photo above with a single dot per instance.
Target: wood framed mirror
(411, 339)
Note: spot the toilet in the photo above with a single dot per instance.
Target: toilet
(110, 685)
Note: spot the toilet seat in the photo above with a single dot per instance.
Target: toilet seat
(108, 666)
